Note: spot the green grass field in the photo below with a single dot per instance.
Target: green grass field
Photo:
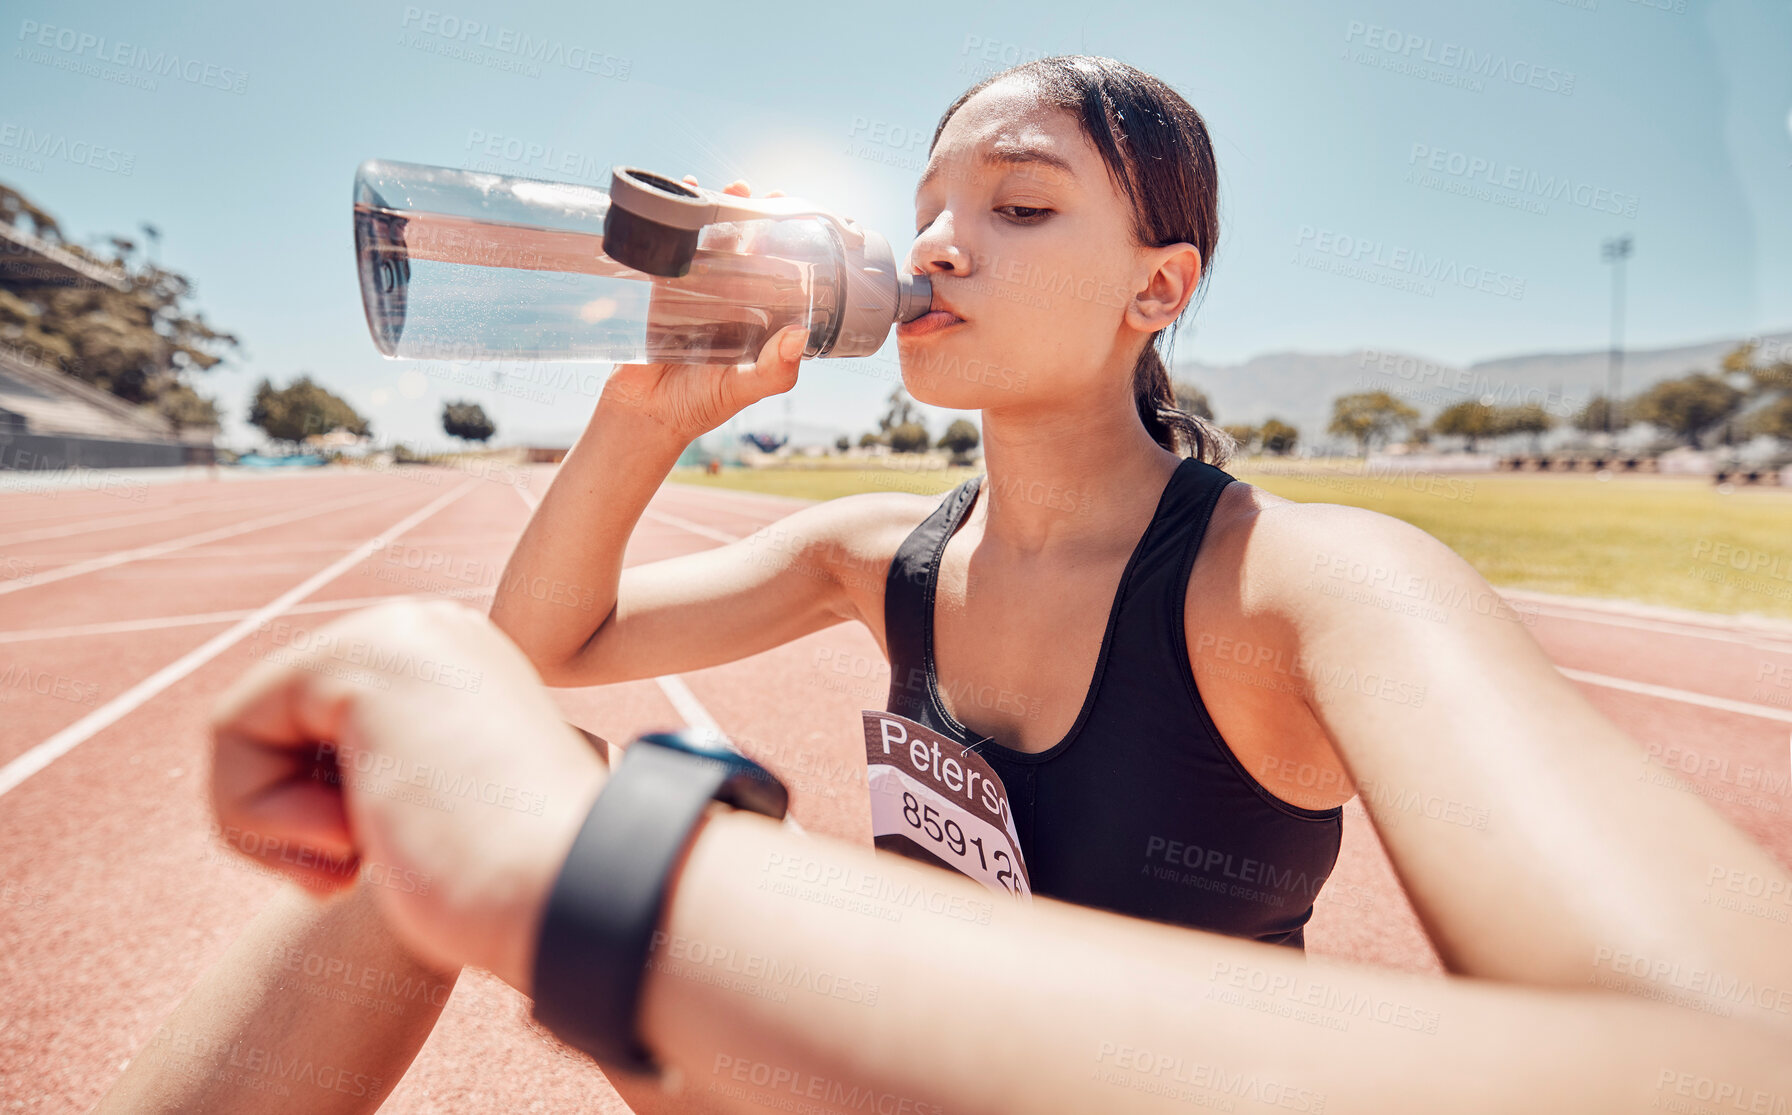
(1659, 540)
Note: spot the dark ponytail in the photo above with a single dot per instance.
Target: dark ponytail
(1182, 433)
(1156, 147)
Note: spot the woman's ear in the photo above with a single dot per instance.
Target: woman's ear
(1174, 272)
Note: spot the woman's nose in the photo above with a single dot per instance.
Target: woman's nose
(936, 250)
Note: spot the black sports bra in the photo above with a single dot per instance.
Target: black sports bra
(1142, 809)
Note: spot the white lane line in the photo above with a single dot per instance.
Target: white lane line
(788, 503)
(159, 623)
(297, 548)
(1722, 704)
(90, 525)
(687, 704)
(1750, 631)
(683, 701)
(76, 569)
(60, 744)
(687, 525)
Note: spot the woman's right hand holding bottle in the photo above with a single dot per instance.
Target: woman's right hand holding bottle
(689, 400)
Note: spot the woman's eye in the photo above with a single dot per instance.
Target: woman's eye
(1027, 213)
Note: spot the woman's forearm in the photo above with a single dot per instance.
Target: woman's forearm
(560, 584)
(315, 1009)
(794, 971)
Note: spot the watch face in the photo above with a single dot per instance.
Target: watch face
(702, 742)
(746, 784)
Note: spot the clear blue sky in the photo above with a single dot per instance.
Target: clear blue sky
(1680, 108)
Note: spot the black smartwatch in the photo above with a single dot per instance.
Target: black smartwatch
(598, 925)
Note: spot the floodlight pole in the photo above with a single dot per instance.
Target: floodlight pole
(1615, 252)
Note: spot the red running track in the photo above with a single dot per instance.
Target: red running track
(125, 611)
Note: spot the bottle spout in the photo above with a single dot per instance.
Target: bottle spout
(914, 297)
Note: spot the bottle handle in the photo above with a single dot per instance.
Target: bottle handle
(684, 208)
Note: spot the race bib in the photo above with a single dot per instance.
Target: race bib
(935, 801)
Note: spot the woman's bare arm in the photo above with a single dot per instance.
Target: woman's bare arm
(1537, 844)
(314, 1010)
(795, 970)
(849, 975)
(583, 619)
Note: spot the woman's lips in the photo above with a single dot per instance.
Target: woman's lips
(930, 322)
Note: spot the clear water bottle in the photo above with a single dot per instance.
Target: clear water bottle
(462, 265)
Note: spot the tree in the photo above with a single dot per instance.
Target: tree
(1600, 415)
(1525, 418)
(960, 438)
(301, 409)
(1772, 382)
(1191, 400)
(1277, 436)
(842, 443)
(138, 343)
(1472, 420)
(1763, 378)
(910, 437)
(15, 205)
(1243, 435)
(467, 421)
(1689, 406)
(899, 410)
(184, 407)
(1774, 419)
(1368, 415)
(867, 440)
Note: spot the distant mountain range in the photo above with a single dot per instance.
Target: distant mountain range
(1299, 387)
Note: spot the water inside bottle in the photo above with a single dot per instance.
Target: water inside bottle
(444, 287)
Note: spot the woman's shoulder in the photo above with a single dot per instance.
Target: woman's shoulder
(1278, 551)
(857, 536)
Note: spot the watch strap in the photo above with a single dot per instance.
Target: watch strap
(601, 915)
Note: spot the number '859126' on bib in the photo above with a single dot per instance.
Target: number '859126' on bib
(934, 800)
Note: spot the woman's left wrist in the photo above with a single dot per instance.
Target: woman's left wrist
(515, 922)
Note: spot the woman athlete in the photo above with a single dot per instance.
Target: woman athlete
(1546, 859)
